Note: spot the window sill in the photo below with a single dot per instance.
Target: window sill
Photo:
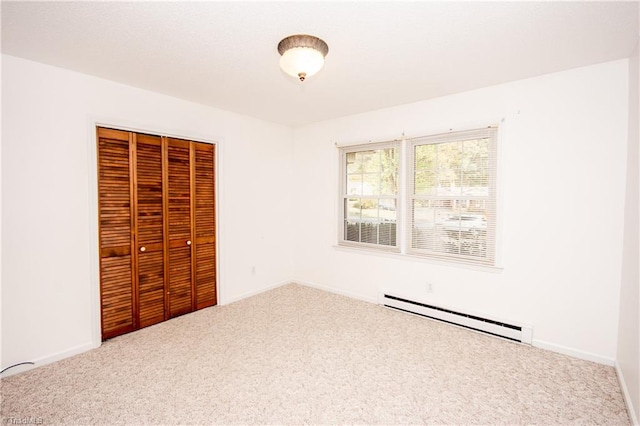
(414, 258)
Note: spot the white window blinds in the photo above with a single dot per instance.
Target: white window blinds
(451, 196)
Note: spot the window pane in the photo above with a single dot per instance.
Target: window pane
(354, 164)
(388, 219)
(368, 208)
(425, 164)
(425, 156)
(428, 218)
(456, 227)
(423, 225)
(389, 171)
(354, 184)
(475, 167)
(452, 169)
(371, 184)
(370, 221)
(449, 156)
(388, 205)
(369, 232)
(352, 219)
(424, 182)
(466, 234)
(351, 231)
(370, 161)
(372, 172)
(352, 209)
(387, 233)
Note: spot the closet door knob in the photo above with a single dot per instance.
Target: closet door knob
(188, 242)
(143, 248)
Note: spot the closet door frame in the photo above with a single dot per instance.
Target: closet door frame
(93, 123)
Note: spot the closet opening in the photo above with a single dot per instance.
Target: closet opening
(156, 230)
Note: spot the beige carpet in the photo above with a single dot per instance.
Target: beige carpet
(296, 355)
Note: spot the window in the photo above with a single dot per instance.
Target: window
(449, 196)
(370, 190)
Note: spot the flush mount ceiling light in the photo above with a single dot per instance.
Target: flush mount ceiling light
(302, 55)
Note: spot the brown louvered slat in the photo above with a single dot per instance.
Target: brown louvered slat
(206, 275)
(150, 229)
(205, 190)
(116, 295)
(114, 210)
(149, 171)
(205, 247)
(179, 227)
(114, 194)
(151, 287)
(180, 280)
(179, 193)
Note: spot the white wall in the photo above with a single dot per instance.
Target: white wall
(563, 159)
(49, 200)
(562, 230)
(628, 359)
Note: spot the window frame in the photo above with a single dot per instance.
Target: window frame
(490, 133)
(344, 196)
(405, 196)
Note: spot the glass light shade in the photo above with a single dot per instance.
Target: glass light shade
(301, 62)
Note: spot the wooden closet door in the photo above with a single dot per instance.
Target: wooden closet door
(116, 225)
(150, 229)
(179, 189)
(156, 228)
(205, 231)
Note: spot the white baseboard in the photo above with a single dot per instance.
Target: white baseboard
(627, 398)
(39, 362)
(587, 356)
(337, 291)
(254, 292)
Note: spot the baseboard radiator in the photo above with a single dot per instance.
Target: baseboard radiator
(518, 333)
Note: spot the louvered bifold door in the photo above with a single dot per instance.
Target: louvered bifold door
(149, 223)
(178, 195)
(116, 224)
(205, 231)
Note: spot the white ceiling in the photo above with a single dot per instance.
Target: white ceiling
(381, 54)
